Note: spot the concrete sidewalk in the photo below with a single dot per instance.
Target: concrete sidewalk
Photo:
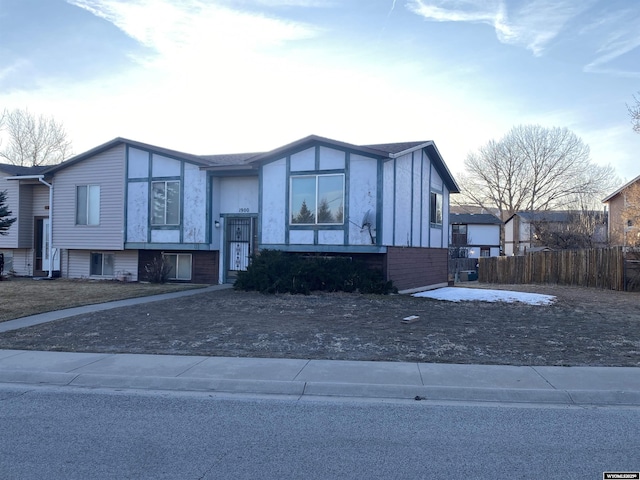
(423, 381)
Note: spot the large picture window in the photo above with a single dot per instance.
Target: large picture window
(165, 203)
(87, 204)
(180, 265)
(317, 199)
(102, 264)
(436, 208)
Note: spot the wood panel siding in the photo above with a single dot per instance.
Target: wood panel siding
(415, 268)
(204, 265)
(106, 169)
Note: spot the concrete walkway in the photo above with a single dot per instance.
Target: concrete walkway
(305, 378)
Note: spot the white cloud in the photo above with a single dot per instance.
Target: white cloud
(181, 31)
(618, 35)
(532, 25)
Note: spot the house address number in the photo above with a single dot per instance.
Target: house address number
(244, 210)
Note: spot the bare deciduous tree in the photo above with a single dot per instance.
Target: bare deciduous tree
(634, 113)
(534, 168)
(31, 141)
(577, 229)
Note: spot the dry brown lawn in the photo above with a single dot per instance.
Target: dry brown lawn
(20, 297)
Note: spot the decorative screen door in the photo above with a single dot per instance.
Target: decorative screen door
(240, 233)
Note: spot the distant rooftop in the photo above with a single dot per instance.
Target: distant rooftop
(474, 218)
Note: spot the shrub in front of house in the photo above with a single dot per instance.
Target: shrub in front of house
(273, 271)
(157, 270)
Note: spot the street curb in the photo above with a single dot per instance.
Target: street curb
(327, 389)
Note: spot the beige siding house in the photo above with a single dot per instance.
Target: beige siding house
(115, 211)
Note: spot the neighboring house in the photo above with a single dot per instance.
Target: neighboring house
(28, 202)
(474, 235)
(624, 214)
(123, 204)
(550, 230)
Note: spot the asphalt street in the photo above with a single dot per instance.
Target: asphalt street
(73, 433)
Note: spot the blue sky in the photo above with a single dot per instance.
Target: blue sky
(229, 76)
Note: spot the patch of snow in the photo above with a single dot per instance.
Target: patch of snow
(459, 294)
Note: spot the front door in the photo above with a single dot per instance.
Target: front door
(41, 247)
(239, 234)
(42, 250)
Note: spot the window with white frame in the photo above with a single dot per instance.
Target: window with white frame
(102, 264)
(485, 252)
(165, 209)
(436, 208)
(317, 199)
(88, 205)
(180, 264)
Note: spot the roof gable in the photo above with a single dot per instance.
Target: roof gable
(621, 189)
(119, 141)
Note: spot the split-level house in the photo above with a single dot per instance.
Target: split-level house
(624, 214)
(114, 209)
(474, 235)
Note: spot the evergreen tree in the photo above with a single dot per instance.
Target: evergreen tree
(304, 215)
(324, 212)
(5, 222)
(340, 214)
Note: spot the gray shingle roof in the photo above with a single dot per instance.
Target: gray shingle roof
(395, 147)
(19, 170)
(474, 218)
(229, 158)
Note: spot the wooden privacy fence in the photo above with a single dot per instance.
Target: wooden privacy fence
(597, 267)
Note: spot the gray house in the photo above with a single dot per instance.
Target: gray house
(110, 211)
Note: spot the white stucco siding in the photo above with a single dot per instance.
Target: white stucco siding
(239, 195)
(388, 189)
(446, 200)
(194, 223)
(304, 160)
(425, 225)
(301, 237)
(165, 236)
(138, 163)
(436, 238)
(274, 184)
(509, 238)
(331, 159)
(164, 167)
(331, 237)
(216, 233)
(416, 201)
(436, 180)
(403, 202)
(363, 192)
(137, 211)
(12, 188)
(107, 170)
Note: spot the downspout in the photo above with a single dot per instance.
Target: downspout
(41, 180)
